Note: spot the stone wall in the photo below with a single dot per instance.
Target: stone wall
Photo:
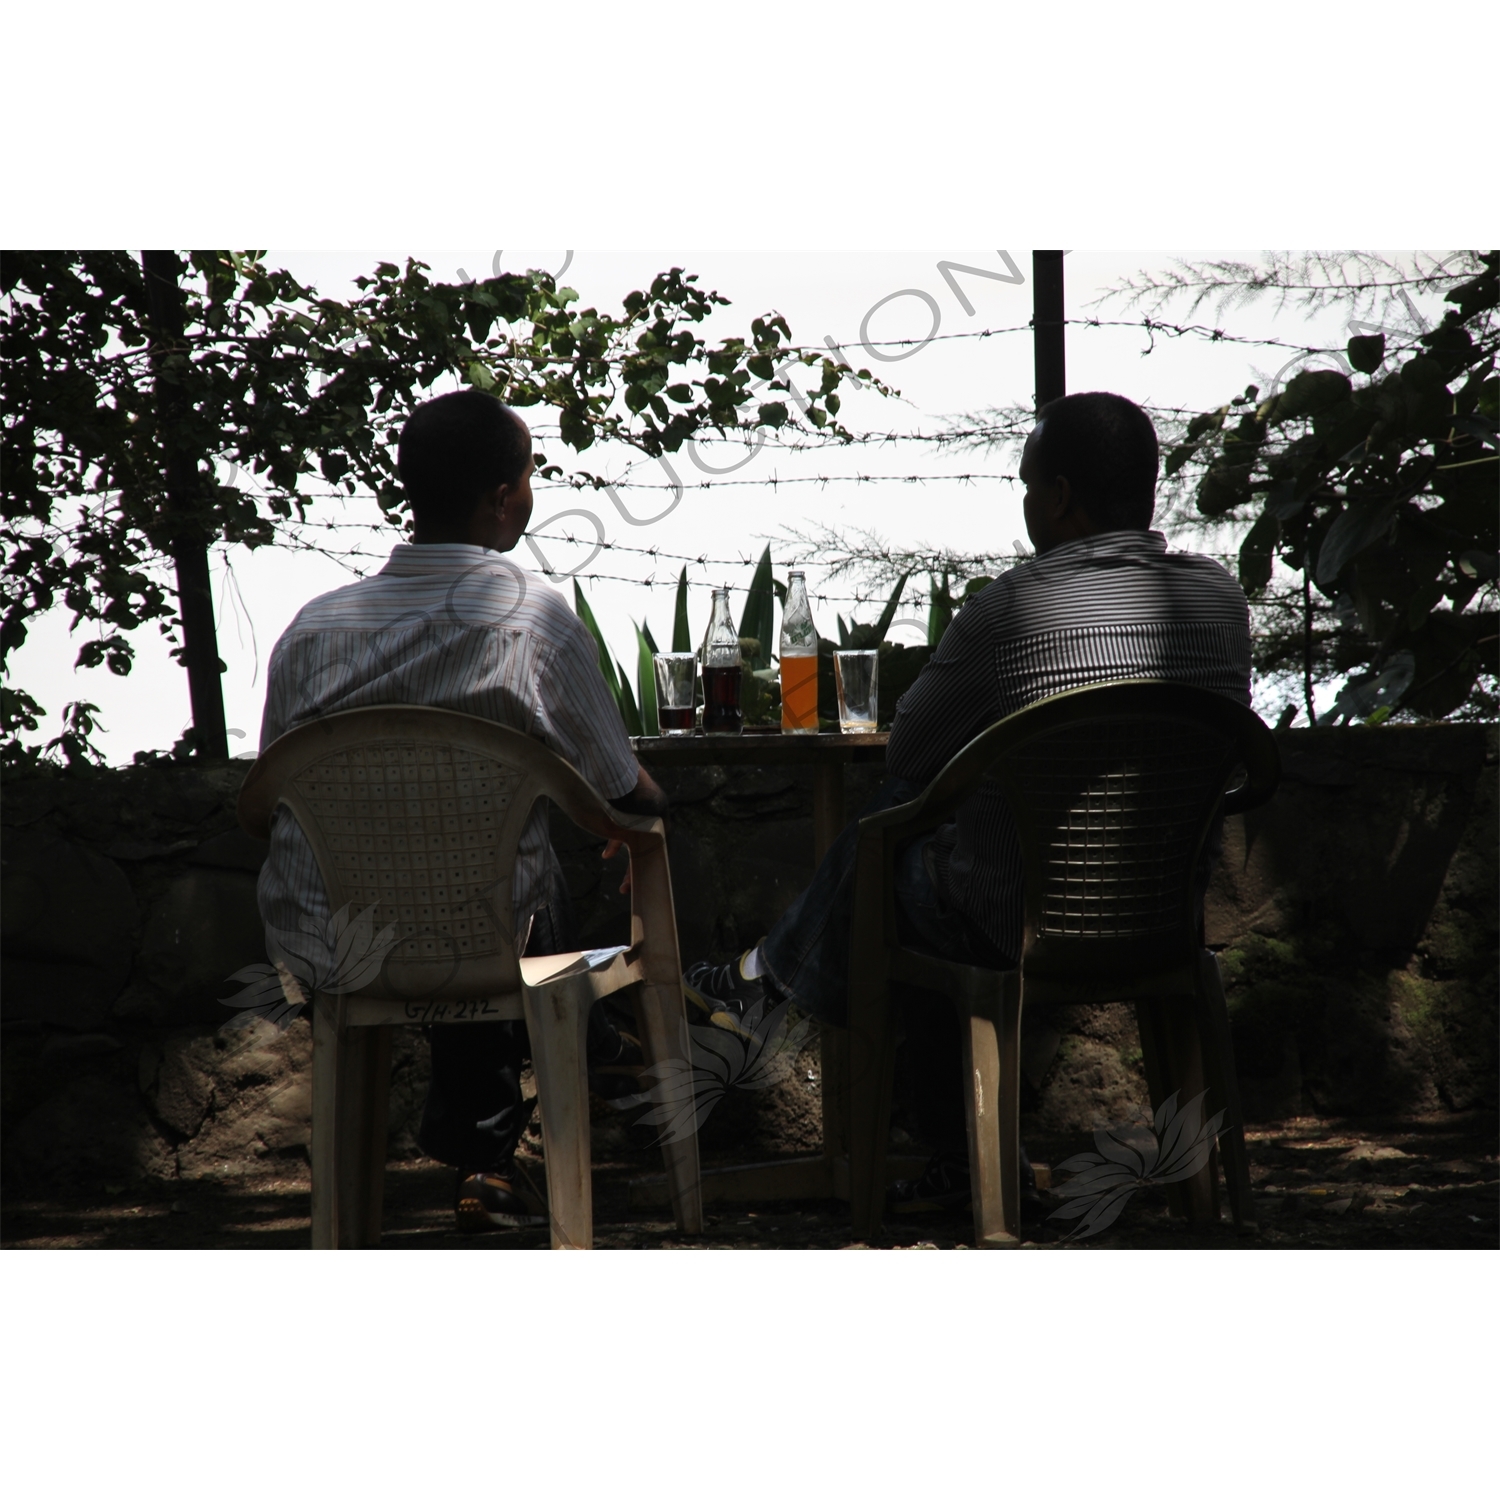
(1356, 915)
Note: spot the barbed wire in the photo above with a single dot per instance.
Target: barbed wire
(831, 348)
(651, 582)
(1148, 324)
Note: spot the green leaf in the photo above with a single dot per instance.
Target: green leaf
(1310, 391)
(628, 711)
(1356, 527)
(1257, 552)
(940, 611)
(1422, 374)
(759, 618)
(1208, 421)
(889, 612)
(606, 663)
(645, 679)
(681, 640)
(1367, 352)
(1178, 457)
(1223, 488)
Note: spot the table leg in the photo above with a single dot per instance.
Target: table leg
(825, 1176)
(828, 823)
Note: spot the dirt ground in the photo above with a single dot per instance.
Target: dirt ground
(1423, 1182)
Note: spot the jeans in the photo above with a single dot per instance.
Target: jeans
(805, 958)
(474, 1113)
(806, 954)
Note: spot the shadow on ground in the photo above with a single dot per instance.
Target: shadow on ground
(1421, 1182)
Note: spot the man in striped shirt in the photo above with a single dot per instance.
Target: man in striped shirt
(451, 622)
(1102, 600)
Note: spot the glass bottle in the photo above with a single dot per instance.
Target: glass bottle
(799, 660)
(721, 671)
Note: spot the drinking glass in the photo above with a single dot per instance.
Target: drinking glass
(855, 675)
(676, 674)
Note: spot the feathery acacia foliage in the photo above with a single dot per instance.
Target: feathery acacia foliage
(1369, 476)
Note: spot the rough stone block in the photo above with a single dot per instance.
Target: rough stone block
(201, 930)
(94, 1130)
(69, 917)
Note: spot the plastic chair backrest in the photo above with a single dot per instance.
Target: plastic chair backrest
(419, 812)
(1114, 789)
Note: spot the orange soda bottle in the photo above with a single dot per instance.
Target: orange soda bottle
(799, 661)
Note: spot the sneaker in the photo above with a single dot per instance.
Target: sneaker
(496, 1200)
(942, 1187)
(721, 994)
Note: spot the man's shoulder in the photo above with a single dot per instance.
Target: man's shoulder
(491, 592)
(324, 611)
(1111, 564)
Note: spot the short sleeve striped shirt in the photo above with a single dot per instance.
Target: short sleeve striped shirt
(1112, 606)
(447, 626)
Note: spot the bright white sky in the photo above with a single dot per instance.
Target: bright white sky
(820, 295)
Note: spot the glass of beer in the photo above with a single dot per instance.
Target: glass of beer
(676, 674)
(855, 674)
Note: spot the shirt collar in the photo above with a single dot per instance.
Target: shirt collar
(1109, 544)
(408, 559)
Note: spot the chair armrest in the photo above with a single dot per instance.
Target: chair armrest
(637, 829)
(922, 813)
(1262, 775)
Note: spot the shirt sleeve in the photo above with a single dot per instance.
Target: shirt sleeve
(953, 698)
(577, 717)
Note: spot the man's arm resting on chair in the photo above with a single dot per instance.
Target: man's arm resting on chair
(644, 799)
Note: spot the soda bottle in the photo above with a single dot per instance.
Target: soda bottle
(721, 671)
(799, 661)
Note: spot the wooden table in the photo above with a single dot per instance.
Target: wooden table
(827, 754)
(827, 1175)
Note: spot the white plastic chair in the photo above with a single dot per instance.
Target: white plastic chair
(418, 812)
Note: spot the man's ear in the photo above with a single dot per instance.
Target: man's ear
(1062, 497)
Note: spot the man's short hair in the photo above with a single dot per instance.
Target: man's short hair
(454, 449)
(1106, 447)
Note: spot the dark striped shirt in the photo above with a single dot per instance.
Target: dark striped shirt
(1112, 606)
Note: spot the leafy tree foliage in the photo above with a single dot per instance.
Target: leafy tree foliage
(1379, 487)
(115, 425)
(1370, 474)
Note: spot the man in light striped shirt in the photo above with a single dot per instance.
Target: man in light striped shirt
(1102, 600)
(451, 622)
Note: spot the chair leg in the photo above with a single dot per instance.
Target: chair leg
(870, 1082)
(557, 1020)
(994, 1172)
(1156, 1057)
(1219, 1053)
(870, 1078)
(367, 1090)
(351, 1100)
(1009, 1097)
(1173, 1055)
(328, 1036)
(833, 1052)
(664, 1036)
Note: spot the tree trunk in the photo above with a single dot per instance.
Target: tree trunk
(185, 538)
(1048, 325)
